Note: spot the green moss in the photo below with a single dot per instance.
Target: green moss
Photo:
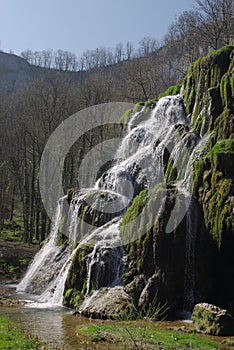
(70, 194)
(213, 186)
(198, 125)
(136, 208)
(222, 157)
(210, 320)
(75, 286)
(171, 171)
(151, 103)
(172, 90)
(208, 72)
(73, 298)
(124, 119)
(227, 90)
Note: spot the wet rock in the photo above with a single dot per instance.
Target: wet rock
(11, 302)
(149, 292)
(134, 288)
(210, 319)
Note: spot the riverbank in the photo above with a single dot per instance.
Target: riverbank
(21, 326)
(61, 330)
(11, 338)
(14, 260)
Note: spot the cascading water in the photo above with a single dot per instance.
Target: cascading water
(140, 164)
(48, 261)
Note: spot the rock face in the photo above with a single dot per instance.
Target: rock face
(208, 90)
(194, 260)
(210, 319)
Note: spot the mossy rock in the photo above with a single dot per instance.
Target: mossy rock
(208, 88)
(73, 298)
(110, 303)
(212, 320)
(172, 90)
(75, 286)
(125, 118)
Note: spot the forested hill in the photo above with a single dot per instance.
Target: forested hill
(16, 73)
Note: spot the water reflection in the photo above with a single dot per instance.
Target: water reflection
(55, 327)
(46, 324)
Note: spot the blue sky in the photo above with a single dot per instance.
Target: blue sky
(76, 25)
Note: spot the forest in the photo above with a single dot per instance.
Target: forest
(28, 116)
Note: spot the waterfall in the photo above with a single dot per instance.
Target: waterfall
(47, 262)
(152, 136)
(191, 226)
(107, 245)
(53, 295)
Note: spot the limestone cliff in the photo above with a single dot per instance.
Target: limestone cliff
(194, 261)
(208, 91)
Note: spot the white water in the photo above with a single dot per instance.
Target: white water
(47, 262)
(141, 165)
(104, 240)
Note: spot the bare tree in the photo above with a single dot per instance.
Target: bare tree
(182, 41)
(216, 21)
(27, 55)
(47, 58)
(119, 52)
(129, 50)
(147, 45)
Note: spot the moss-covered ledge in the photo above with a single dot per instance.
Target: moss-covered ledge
(208, 89)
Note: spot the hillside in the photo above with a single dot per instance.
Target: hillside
(16, 73)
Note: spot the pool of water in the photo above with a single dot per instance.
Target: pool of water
(56, 327)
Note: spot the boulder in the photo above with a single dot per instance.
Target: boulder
(210, 319)
(109, 303)
(150, 291)
(134, 288)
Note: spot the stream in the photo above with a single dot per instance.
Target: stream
(56, 327)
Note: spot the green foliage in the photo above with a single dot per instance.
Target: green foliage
(12, 230)
(75, 286)
(211, 71)
(151, 103)
(142, 335)
(227, 90)
(171, 171)
(156, 310)
(124, 119)
(73, 298)
(11, 338)
(172, 90)
(136, 208)
(213, 185)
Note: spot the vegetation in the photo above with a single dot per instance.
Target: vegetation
(28, 117)
(172, 90)
(11, 338)
(142, 335)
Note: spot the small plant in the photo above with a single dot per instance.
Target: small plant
(156, 310)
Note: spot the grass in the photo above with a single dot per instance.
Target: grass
(142, 335)
(11, 338)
